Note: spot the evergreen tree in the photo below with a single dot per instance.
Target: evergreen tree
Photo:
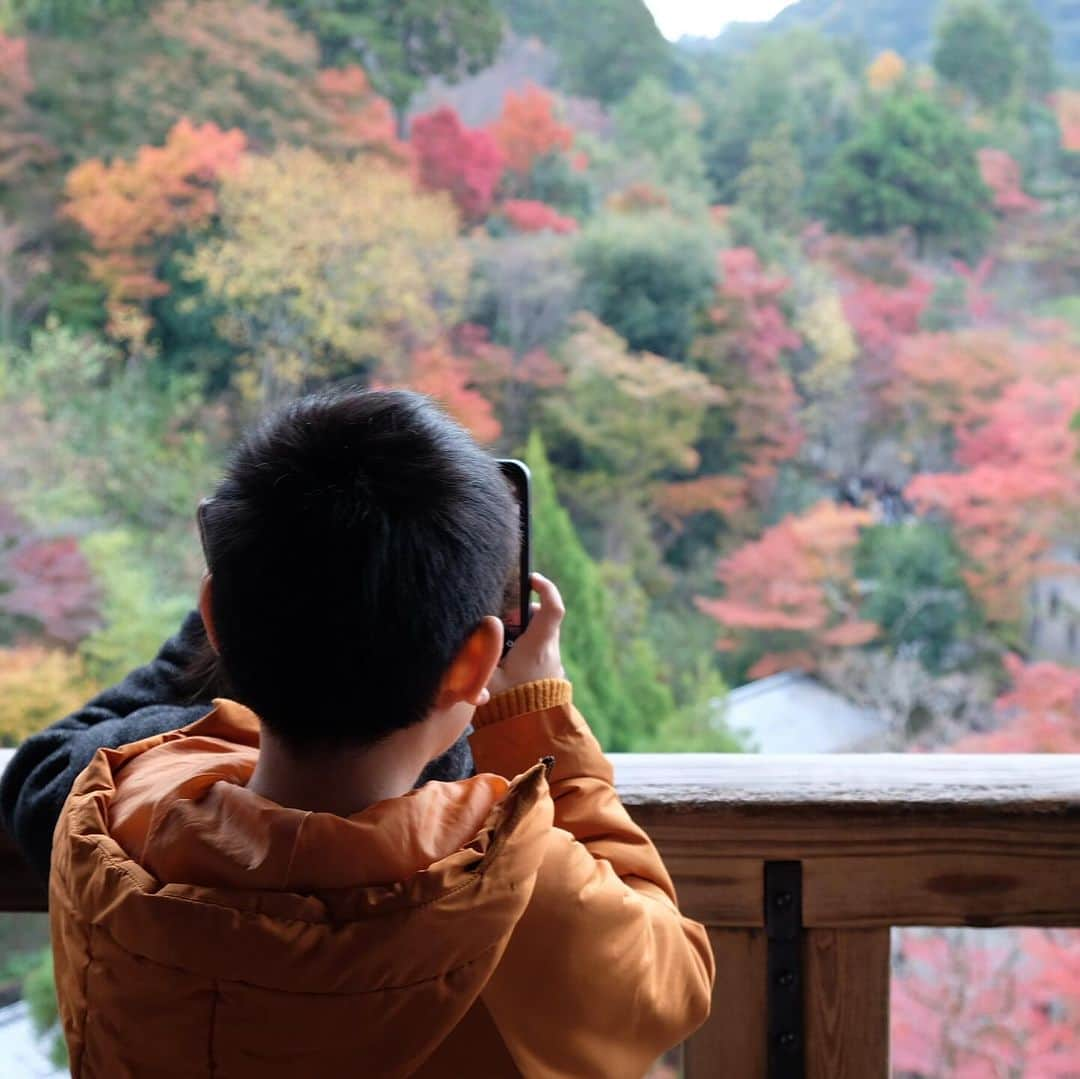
(975, 52)
(617, 685)
(911, 166)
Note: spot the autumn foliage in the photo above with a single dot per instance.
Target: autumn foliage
(20, 145)
(1018, 482)
(364, 119)
(795, 585)
(47, 592)
(1001, 173)
(436, 371)
(464, 162)
(886, 70)
(528, 129)
(1067, 108)
(126, 207)
(528, 215)
(746, 340)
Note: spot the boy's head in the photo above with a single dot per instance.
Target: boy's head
(356, 543)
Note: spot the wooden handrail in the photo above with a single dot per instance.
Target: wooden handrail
(882, 840)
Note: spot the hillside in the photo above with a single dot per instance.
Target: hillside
(904, 25)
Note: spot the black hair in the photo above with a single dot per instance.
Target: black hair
(356, 540)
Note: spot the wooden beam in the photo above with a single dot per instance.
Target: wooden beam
(846, 990)
(864, 869)
(904, 783)
(883, 839)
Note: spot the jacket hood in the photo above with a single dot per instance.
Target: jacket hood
(165, 850)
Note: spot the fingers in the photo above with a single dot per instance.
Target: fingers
(552, 609)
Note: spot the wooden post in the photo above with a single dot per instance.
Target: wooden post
(846, 983)
(732, 1042)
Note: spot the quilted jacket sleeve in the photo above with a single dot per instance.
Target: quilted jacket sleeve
(602, 973)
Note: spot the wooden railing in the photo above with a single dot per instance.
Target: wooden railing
(863, 843)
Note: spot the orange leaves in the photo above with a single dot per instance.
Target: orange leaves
(796, 580)
(1067, 108)
(528, 215)
(126, 206)
(1001, 173)
(1039, 714)
(365, 120)
(886, 70)
(528, 130)
(437, 372)
(725, 495)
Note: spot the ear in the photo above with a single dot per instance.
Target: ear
(468, 675)
(206, 609)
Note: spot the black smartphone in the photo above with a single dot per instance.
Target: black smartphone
(516, 598)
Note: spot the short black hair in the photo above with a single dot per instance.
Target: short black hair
(356, 540)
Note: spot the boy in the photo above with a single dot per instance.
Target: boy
(267, 892)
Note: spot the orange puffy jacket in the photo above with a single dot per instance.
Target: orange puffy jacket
(485, 927)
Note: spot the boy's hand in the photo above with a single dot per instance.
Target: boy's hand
(535, 654)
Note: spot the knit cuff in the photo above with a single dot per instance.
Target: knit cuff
(520, 700)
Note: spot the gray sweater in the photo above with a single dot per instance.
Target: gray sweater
(150, 700)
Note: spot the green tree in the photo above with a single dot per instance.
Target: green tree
(975, 52)
(1034, 42)
(401, 43)
(652, 126)
(911, 166)
(912, 574)
(771, 185)
(604, 46)
(800, 78)
(647, 278)
(617, 685)
(39, 988)
(71, 17)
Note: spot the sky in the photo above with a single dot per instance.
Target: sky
(706, 18)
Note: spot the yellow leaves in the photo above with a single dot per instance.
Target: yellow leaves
(824, 325)
(38, 686)
(329, 265)
(638, 413)
(886, 71)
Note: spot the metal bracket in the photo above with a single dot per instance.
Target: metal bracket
(785, 1052)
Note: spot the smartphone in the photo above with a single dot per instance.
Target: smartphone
(516, 598)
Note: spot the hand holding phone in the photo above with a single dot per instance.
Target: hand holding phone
(536, 655)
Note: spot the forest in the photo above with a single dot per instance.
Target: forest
(788, 333)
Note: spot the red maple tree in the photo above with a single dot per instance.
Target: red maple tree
(47, 589)
(465, 162)
(791, 593)
(1017, 490)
